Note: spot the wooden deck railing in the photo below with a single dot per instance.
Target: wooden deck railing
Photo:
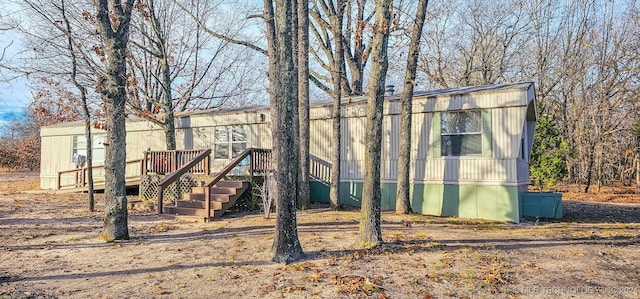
(153, 162)
(80, 175)
(165, 162)
(259, 163)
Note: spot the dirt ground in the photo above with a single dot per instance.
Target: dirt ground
(50, 249)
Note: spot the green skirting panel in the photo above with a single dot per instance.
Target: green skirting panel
(501, 203)
(542, 204)
(467, 201)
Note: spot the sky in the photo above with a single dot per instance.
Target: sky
(14, 98)
(14, 94)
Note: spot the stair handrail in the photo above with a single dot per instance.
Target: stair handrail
(174, 176)
(224, 172)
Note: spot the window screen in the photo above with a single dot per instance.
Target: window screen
(461, 133)
(229, 141)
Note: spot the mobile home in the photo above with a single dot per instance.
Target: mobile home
(469, 157)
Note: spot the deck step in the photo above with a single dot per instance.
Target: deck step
(230, 184)
(224, 190)
(198, 204)
(200, 196)
(216, 190)
(181, 211)
(223, 195)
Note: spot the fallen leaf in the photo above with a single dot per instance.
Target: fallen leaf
(270, 287)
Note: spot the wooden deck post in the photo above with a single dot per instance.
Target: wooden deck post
(160, 197)
(207, 202)
(143, 166)
(251, 161)
(174, 161)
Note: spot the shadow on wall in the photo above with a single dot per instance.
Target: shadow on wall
(185, 126)
(420, 201)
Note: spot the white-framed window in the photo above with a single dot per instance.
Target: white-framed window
(229, 141)
(461, 133)
(80, 147)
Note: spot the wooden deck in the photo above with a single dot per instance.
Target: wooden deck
(98, 186)
(153, 162)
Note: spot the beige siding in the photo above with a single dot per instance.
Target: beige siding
(231, 118)
(457, 169)
(507, 125)
(258, 131)
(352, 154)
(56, 154)
(320, 148)
(506, 122)
(484, 100)
(508, 115)
(140, 141)
(421, 135)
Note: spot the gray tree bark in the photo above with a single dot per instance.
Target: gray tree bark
(304, 193)
(284, 117)
(336, 143)
(113, 19)
(169, 120)
(403, 205)
(85, 107)
(370, 233)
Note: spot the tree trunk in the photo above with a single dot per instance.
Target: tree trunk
(87, 134)
(358, 61)
(284, 117)
(169, 120)
(85, 107)
(112, 88)
(336, 142)
(370, 233)
(304, 193)
(170, 130)
(403, 205)
(589, 170)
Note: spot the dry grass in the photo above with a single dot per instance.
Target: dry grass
(51, 249)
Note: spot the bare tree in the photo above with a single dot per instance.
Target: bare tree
(4, 27)
(370, 233)
(474, 43)
(284, 118)
(56, 16)
(403, 204)
(85, 103)
(336, 14)
(304, 196)
(113, 19)
(175, 66)
(355, 44)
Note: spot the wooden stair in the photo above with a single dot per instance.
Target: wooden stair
(223, 195)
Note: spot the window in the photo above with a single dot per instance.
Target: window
(229, 141)
(461, 133)
(80, 147)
